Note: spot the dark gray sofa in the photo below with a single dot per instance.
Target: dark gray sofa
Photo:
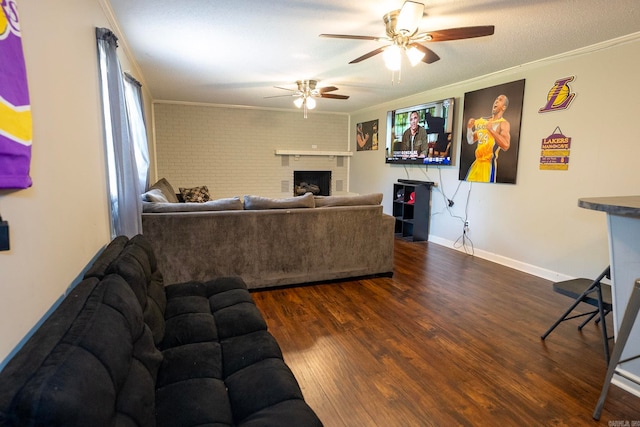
(122, 349)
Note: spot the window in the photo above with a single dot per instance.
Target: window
(125, 138)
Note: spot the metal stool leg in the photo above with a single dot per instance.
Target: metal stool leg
(629, 318)
(563, 317)
(603, 328)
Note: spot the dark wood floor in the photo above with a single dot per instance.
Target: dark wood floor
(450, 340)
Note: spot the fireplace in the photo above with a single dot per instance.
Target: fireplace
(316, 182)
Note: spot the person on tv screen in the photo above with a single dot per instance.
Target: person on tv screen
(492, 134)
(414, 139)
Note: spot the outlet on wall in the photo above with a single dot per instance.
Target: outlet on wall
(4, 235)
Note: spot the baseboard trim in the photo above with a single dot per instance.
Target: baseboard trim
(554, 276)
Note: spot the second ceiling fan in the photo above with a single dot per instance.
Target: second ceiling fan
(307, 90)
(402, 29)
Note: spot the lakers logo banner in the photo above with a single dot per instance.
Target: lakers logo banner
(15, 109)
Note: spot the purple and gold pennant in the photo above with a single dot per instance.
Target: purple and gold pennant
(15, 108)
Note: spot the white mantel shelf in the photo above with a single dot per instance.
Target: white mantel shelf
(313, 153)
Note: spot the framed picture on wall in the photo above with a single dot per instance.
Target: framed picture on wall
(367, 136)
(491, 133)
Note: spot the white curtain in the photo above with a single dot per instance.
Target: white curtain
(135, 109)
(124, 130)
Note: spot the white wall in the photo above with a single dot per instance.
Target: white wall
(232, 150)
(59, 224)
(535, 225)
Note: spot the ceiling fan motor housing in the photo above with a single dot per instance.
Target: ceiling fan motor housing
(390, 21)
(308, 88)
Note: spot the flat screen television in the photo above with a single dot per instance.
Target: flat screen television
(421, 134)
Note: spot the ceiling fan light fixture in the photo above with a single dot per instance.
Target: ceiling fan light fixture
(298, 102)
(415, 55)
(392, 57)
(409, 17)
(311, 103)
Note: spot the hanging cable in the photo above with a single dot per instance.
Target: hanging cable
(464, 241)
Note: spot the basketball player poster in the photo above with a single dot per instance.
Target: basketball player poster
(491, 133)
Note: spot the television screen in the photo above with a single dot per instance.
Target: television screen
(421, 134)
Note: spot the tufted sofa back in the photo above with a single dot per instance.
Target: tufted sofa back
(137, 264)
(100, 331)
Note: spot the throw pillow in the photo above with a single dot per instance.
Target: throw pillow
(154, 195)
(359, 200)
(195, 194)
(166, 189)
(257, 202)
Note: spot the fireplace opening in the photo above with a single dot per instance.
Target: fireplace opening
(316, 182)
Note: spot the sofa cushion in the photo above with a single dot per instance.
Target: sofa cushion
(188, 318)
(31, 357)
(195, 360)
(107, 341)
(239, 319)
(261, 385)
(134, 266)
(154, 195)
(195, 194)
(166, 189)
(156, 297)
(156, 306)
(190, 388)
(188, 328)
(358, 200)
(196, 402)
(282, 414)
(229, 298)
(257, 202)
(243, 350)
(137, 264)
(103, 261)
(224, 204)
(224, 284)
(145, 245)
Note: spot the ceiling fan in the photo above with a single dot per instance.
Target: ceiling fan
(402, 32)
(307, 90)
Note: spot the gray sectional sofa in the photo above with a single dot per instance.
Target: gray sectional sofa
(271, 242)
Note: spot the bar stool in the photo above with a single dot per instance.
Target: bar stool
(592, 292)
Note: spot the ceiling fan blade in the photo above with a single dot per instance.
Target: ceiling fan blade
(429, 56)
(333, 96)
(281, 96)
(285, 88)
(460, 33)
(346, 36)
(327, 89)
(368, 55)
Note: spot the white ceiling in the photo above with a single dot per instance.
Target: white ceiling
(234, 52)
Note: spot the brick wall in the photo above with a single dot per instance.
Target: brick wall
(232, 150)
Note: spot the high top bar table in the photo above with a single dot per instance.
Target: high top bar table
(623, 223)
